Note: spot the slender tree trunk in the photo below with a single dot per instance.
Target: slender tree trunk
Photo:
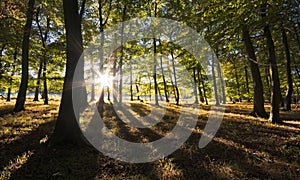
(108, 93)
(175, 80)
(137, 91)
(222, 83)
(122, 56)
(37, 88)
(163, 73)
(154, 72)
(101, 58)
(195, 86)
(275, 96)
(214, 80)
(67, 130)
(258, 107)
(115, 100)
(131, 83)
(9, 91)
(20, 103)
(93, 81)
(1, 54)
(288, 97)
(44, 62)
(247, 83)
(203, 86)
(11, 77)
(45, 81)
(199, 83)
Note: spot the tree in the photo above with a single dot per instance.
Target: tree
(258, 106)
(20, 103)
(288, 98)
(67, 129)
(43, 61)
(275, 95)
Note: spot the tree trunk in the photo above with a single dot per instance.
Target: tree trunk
(131, 83)
(199, 83)
(222, 83)
(195, 86)
(93, 81)
(44, 38)
(275, 95)
(163, 73)
(115, 100)
(67, 130)
(203, 86)
(214, 80)
(289, 92)
(258, 106)
(247, 83)
(137, 91)
(45, 81)
(175, 80)
(11, 77)
(101, 58)
(20, 103)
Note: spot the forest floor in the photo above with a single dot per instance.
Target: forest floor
(244, 147)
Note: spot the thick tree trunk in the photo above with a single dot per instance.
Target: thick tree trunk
(289, 92)
(67, 130)
(275, 96)
(20, 103)
(258, 107)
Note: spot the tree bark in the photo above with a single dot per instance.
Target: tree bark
(11, 77)
(289, 92)
(175, 80)
(195, 86)
(275, 95)
(20, 103)
(67, 130)
(122, 56)
(37, 88)
(222, 83)
(214, 81)
(199, 83)
(258, 106)
(247, 83)
(163, 73)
